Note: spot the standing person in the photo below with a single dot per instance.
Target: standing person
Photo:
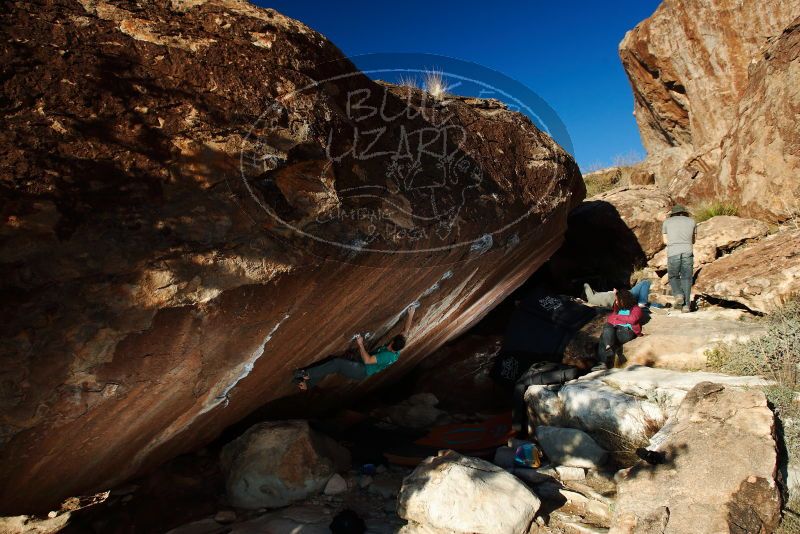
(623, 324)
(679, 232)
(370, 364)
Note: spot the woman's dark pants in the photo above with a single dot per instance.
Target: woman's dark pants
(340, 366)
(615, 337)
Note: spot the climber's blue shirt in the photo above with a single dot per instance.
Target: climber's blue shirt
(384, 358)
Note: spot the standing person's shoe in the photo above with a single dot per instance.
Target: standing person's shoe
(678, 302)
(686, 309)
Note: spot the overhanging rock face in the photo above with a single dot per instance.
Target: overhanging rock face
(200, 196)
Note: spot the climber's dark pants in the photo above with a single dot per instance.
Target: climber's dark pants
(347, 368)
(613, 337)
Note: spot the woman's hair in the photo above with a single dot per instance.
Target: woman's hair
(625, 299)
(398, 342)
(583, 363)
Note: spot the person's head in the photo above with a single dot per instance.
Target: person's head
(397, 343)
(677, 209)
(625, 299)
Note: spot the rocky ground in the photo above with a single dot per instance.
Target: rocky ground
(590, 480)
(160, 367)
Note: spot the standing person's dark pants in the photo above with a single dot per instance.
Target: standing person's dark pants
(347, 368)
(680, 269)
(612, 337)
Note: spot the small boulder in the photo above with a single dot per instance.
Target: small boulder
(276, 463)
(570, 473)
(335, 485)
(418, 411)
(570, 447)
(451, 493)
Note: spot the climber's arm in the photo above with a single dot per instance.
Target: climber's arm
(366, 357)
(409, 319)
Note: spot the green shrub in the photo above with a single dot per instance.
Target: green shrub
(704, 212)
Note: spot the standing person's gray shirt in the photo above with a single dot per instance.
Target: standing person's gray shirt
(680, 231)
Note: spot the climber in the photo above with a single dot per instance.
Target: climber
(640, 291)
(370, 364)
(679, 231)
(622, 325)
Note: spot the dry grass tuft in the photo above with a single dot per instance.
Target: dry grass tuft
(705, 211)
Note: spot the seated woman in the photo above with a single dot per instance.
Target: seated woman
(623, 324)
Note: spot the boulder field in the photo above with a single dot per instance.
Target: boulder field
(183, 225)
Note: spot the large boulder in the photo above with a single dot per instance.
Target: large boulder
(184, 224)
(718, 236)
(621, 407)
(612, 234)
(714, 107)
(761, 276)
(613, 418)
(718, 475)
(457, 494)
(680, 98)
(274, 464)
(760, 165)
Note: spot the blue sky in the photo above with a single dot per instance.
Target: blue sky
(566, 52)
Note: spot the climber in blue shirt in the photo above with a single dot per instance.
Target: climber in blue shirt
(370, 364)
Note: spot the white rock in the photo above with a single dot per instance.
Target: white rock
(629, 404)
(457, 494)
(668, 386)
(570, 473)
(570, 447)
(336, 485)
(225, 516)
(276, 463)
(604, 412)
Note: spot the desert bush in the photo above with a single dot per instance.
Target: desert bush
(705, 211)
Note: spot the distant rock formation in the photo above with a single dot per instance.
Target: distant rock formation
(714, 88)
(183, 224)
